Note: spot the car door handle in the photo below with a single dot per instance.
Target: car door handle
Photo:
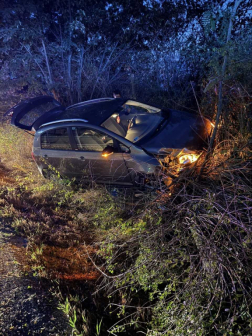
(82, 158)
(45, 156)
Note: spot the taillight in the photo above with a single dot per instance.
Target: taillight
(32, 154)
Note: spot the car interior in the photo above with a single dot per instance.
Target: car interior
(89, 140)
(112, 125)
(139, 125)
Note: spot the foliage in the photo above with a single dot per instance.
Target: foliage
(178, 264)
(195, 263)
(68, 49)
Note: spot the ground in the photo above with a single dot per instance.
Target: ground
(27, 307)
(44, 262)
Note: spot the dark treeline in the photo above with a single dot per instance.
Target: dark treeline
(150, 50)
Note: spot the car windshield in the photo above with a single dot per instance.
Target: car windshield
(132, 105)
(134, 120)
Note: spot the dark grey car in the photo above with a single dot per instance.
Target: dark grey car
(110, 141)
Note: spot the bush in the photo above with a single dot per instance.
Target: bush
(186, 269)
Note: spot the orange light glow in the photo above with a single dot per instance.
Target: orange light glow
(188, 158)
(107, 154)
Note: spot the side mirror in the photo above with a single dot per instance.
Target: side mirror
(108, 151)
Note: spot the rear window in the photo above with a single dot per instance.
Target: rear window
(30, 117)
(56, 139)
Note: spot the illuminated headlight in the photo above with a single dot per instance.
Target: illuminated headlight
(188, 158)
(114, 115)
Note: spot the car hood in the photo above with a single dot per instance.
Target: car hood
(180, 130)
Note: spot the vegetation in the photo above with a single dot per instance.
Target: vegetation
(178, 262)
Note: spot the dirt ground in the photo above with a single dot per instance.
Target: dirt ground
(26, 305)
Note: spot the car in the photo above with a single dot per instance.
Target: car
(111, 141)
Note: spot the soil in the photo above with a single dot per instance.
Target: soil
(26, 305)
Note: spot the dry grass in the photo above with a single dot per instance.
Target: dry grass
(18, 166)
(190, 252)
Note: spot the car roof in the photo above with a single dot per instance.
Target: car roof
(94, 111)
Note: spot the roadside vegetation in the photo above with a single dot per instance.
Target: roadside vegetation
(61, 223)
(180, 264)
(176, 262)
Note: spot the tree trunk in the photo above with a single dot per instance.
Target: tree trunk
(132, 81)
(69, 77)
(47, 64)
(222, 74)
(79, 94)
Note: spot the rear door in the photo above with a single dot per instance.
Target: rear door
(29, 114)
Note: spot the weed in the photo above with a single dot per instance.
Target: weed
(65, 307)
(98, 327)
(72, 321)
(70, 310)
(38, 252)
(38, 270)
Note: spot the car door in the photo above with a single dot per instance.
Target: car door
(29, 114)
(89, 161)
(52, 152)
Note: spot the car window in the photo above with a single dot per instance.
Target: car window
(134, 120)
(113, 126)
(56, 138)
(138, 107)
(90, 140)
(130, 109)
(30, 117)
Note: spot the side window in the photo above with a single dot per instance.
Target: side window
(91, 141)
(56, 139)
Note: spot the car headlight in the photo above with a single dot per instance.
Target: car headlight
(188, 158)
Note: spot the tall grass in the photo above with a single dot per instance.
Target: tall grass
(16, 148)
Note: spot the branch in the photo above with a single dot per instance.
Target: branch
(47, 62)
(219, 110)
(43, 73)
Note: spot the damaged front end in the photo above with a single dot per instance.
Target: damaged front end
(174, 161)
